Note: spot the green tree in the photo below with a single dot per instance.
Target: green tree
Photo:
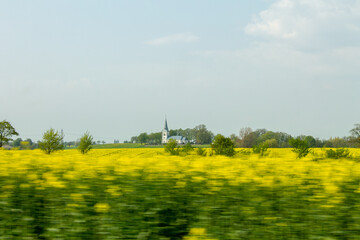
(300, 147)
(134, 139)
(272, 143)
(17, 142)
(355, 133)
(52, 141)
(338, 153)
(171, 147)
(187, 148)
(235, 139)
(6, 132)
(223, 146)
(85, 143)
(311, 141)
(201, 151)
(143, 138)
(336, 142)
(247, 138)
(154, 138)
(261, 148)
(202, 135)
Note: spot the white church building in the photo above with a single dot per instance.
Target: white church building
(166, 136)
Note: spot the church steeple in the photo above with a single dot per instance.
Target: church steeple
(165, 133)
(166, 126)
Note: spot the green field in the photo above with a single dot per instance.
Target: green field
(135, 145)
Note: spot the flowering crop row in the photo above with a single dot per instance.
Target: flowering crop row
(147, 194)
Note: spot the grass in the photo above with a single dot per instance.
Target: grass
(136, 145)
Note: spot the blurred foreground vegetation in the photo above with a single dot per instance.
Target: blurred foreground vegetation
(148, 194)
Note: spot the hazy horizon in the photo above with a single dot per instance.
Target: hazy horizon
(116, 68)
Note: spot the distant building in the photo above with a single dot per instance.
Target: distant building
(7, 147)
(166, 136)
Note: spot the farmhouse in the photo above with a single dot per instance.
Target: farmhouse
(166, 136)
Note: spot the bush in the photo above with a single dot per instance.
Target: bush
(245, 152)
(223, 146)
(51, 141)
(300, 147)
(85, 143)
(261, 148)
(171, 147)
(201, 152)
(338, 153)
(187, 148)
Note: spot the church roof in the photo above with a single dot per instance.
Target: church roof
(177, 137)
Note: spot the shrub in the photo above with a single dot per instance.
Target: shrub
(300, 147)
(187, 148)
(338, 153)
(85, 143)
(261, 148)
(201, 152)
(223, 146)
(171, 147)
(51, 141)
(245, 152)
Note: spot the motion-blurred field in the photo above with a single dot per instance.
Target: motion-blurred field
(147, 194)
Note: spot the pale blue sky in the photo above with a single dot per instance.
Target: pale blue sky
(116, 68)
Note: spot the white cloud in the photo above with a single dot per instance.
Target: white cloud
(309, 23)
(187, 37)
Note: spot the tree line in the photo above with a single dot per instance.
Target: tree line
(197, 135)
(51, 141)
(248, 138)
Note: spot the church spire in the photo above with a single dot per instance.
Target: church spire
(166, 126)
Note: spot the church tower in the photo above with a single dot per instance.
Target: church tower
(165, 133)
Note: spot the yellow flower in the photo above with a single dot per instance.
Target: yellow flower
(197, 231)
(102, 207)
(78, 197)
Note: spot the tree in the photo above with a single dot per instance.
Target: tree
(17, 142)
(235, 139)
(338, 153)
(261, 148)
(202, 135)
(171, 147)
(187, 148)
(223, 146)
(247, 138)
(336, 143)
(30, 141)
(52, 141)
(143, 138)
(311, 141)
(301, 147)
(85, 143)
(154, 138)
(355, 133)
(6, 132)
(134, 139)
(272, 143)
(189, 134)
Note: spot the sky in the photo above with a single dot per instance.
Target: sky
(116, 68)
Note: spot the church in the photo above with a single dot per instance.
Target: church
(166, 136)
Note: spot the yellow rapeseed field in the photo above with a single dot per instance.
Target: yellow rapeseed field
(148, 194)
